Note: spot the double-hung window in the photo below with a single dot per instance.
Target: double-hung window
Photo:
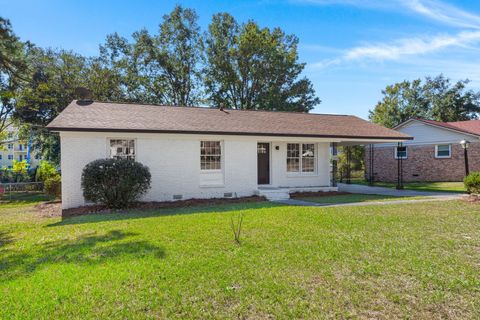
(122, 149)
(210, 155)
(443, 151)
(401, 152)
(301, 157)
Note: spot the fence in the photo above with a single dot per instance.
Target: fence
(21, 187)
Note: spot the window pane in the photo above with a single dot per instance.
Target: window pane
(293, 150)
(308, 150)
(293, 165)
(122, 149)
(293, 157)
(308, 164)
(210, 155)
(401, 152)
(443, 150)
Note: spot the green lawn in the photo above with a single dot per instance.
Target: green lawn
(350, 198)
(421, 186)
(412, 261)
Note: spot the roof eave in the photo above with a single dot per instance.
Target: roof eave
(383, 138)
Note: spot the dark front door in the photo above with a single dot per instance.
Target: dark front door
(263, 163)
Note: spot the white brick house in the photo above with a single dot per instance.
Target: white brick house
(208, 153)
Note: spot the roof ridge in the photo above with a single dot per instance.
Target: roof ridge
(226, 109)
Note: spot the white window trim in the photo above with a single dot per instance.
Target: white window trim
(300, 172)
(222, 157)
(449, 151)
(395, 153)
(108, 150)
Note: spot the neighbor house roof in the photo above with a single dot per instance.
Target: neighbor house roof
(468, 126)
(123, 117)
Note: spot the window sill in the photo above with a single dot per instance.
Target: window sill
(301, 174)
(212, 186)
(211, 171)
(436, 157)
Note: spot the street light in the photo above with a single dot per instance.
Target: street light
(465, 144)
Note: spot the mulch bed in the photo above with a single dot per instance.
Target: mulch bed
(53, 209)
(317, 194)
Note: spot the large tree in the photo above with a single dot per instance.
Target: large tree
(250, 67)
(162, 68)
(13, 72)
(51, 85)
(434, 98)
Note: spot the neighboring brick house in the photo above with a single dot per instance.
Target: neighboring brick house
(435, 153)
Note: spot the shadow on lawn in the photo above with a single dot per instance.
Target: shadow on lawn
(5, 239)
(137, 214)
(87, 249)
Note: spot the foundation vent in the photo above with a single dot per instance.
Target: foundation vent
(177, 197)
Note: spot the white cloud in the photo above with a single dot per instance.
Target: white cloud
(432, 9)
(444, 13)
(415, 46)
(411, 46)
(403, 48)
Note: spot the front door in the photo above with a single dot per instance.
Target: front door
(263, 163)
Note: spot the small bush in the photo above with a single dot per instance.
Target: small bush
(115, 183)
(472, 183)
(45, 170)
(53, 186)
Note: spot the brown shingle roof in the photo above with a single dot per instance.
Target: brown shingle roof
(121, 117)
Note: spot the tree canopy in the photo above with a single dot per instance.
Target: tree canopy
(239, 66)
(434, 99)
(250, 67)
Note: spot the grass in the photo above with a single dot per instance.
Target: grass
(421, 186)
(350, 198)
(418, 260)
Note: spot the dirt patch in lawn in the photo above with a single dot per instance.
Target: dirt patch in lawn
(49, 209)
(473, 198)
(54, 209)
(317, 194)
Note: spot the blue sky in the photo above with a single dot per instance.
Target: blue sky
(352, 48)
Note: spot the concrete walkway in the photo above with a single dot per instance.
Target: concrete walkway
(362, 189)
(295, 202)
(358, 188)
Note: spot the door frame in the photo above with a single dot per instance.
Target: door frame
(270, 169)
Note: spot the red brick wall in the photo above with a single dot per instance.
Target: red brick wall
(422, 165)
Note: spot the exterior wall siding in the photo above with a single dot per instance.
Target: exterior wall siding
(174, 162)
(421, 164)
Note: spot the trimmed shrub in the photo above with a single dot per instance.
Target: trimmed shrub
(53, 186)
(116, 183)
(472, 183)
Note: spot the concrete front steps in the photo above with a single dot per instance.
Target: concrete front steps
(283, 193)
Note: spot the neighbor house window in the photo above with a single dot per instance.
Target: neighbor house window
(400, 152)
(301, 157)
(443, 151)
(10, 146)
(10, 157)
(210, 155)
(20, 158)
(122, 149)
